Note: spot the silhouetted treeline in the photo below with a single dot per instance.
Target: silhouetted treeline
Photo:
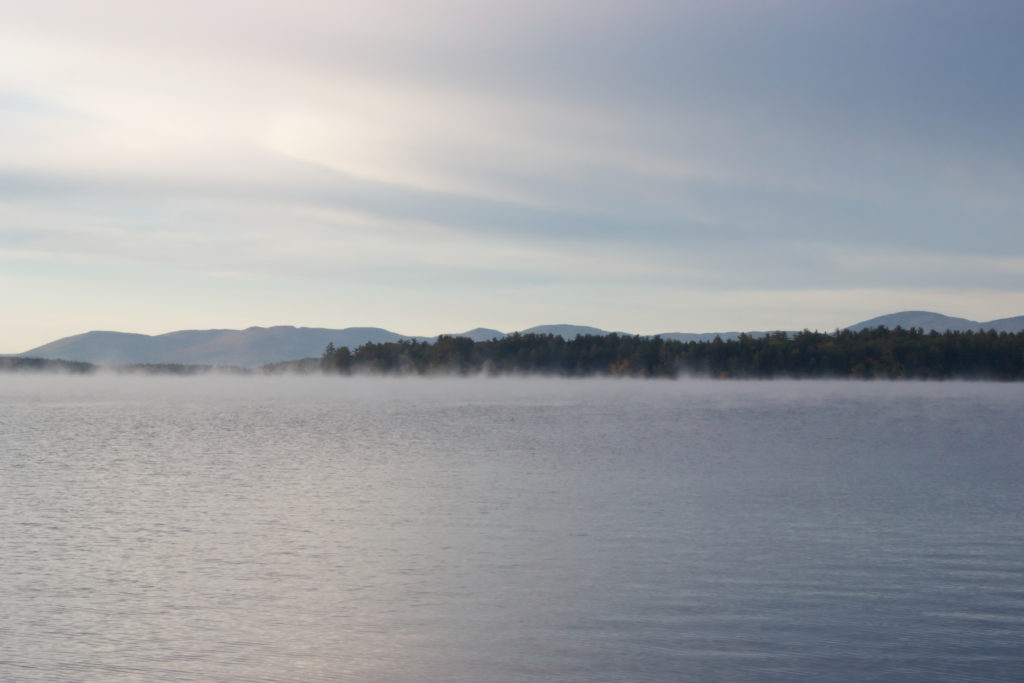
(871, 353)
(18, 364)
(302, 366)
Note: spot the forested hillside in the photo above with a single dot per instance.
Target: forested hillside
(870, 353)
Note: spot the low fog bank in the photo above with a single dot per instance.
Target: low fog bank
(322, 394)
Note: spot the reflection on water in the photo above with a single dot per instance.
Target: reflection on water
(513, 530)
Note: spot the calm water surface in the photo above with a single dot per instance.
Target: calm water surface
(509, 530)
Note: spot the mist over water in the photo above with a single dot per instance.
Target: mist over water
(510, 529)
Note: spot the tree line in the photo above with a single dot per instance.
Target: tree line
(866, 354)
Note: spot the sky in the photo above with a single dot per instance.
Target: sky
(646, 166)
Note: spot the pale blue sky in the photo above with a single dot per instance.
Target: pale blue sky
(435, 166)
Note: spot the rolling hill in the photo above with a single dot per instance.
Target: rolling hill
(251, 347)
(928, 321)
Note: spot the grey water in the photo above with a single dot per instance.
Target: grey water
(279, 529)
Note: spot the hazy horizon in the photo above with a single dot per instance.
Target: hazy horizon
(503, 331)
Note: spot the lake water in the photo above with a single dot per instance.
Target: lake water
(509, 530)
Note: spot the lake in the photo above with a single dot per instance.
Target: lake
(385, 529)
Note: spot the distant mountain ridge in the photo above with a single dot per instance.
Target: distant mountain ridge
(251, 347)
(929, 321)
(258, 346)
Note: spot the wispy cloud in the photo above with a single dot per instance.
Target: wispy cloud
(603, 153)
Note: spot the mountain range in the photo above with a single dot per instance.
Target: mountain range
(258, 346)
